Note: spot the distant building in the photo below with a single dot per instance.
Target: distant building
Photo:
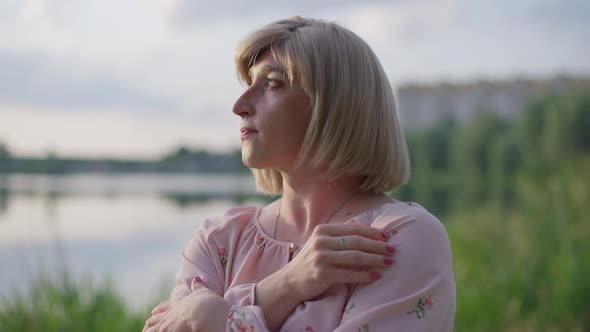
(422, 106)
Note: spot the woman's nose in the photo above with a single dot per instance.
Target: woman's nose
(243, 107)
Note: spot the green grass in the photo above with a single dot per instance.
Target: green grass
(66, 305)
(527, 269)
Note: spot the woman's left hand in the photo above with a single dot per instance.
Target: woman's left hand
(202, 310)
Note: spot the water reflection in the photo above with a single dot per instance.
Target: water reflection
(131, 229)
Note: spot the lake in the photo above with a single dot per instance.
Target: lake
(126, 228)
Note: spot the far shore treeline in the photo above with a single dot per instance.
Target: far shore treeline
(182, 160)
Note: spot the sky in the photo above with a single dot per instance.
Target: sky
(136, 78)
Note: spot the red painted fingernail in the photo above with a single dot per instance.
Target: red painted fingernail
(390, 249)
(394, 232)
(385, 235)
(374, 275)
(387, 260)
(198, 279)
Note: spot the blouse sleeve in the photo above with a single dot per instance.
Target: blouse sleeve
(201, 257)
(246, 318)
(417, 293)
(207, 259)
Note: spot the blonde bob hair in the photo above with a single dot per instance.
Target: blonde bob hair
(354, 128)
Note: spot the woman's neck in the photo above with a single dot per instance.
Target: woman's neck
(309, 201)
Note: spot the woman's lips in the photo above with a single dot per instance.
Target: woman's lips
(247, 132)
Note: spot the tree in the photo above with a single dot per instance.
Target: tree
(472, 158)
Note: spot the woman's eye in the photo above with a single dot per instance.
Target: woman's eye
(272, 83)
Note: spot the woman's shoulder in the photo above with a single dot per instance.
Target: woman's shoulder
(396, 213)
(232, 221)
(413, 222)
(237, 213)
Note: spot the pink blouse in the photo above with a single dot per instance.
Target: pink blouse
(417, 293)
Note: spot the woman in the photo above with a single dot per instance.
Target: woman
(334, 253)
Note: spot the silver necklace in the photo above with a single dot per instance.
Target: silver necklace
(342, 204)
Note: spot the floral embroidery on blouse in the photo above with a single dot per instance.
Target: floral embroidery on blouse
(239, 322)
(423, 304)
(364, 328)
(222, 256)
(260, 242)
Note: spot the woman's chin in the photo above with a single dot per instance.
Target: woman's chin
(255, 163)
(250, 161)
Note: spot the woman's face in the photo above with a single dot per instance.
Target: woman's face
(275, 116)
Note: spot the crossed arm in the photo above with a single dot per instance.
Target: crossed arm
(318, 266)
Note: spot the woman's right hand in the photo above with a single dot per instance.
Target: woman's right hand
(340, 253)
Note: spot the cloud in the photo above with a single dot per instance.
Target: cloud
(572, 13)
(37, 79)
(544, 15)
(196, 12)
